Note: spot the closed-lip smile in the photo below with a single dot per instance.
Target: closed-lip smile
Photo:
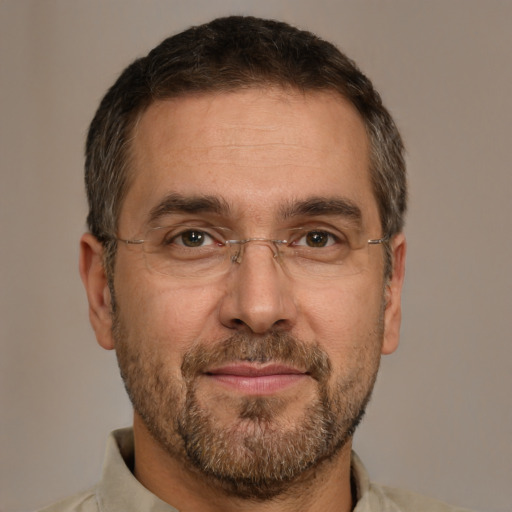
(255, 379)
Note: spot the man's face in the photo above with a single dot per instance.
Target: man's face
(256, 374)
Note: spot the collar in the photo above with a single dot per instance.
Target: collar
(119, 490)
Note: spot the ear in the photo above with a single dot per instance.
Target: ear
(393, 294)
(92, 272)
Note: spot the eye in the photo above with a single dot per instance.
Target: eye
(317, 239)
(192, 238)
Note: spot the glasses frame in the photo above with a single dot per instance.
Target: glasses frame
(237, 257)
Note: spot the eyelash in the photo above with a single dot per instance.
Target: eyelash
(177, 238)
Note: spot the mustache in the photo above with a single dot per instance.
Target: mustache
(274, 347)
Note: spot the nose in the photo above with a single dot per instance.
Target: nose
(259, 294)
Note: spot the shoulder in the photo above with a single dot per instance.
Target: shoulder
(408, 501)
(81, 502)
(380, 498)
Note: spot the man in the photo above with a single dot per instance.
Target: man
(245, 260)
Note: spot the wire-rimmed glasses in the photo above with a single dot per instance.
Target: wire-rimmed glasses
(190, 251)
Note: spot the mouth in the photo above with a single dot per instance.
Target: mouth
(257, 380)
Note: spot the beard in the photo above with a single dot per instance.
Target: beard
(259, 453)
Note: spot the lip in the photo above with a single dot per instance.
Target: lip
(251, 379)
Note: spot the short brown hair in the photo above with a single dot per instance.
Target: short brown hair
(225, 55)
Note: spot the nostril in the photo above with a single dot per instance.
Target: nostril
(237, 323)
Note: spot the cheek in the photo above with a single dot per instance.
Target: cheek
(166, 316)
(346, 319)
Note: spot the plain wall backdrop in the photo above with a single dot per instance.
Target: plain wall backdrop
(441, 418)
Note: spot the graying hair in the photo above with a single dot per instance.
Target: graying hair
(228, 54)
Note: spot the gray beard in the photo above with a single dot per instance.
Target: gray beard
(254, 457)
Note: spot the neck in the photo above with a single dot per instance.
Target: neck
(324, 488)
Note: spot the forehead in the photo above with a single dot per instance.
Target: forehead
(254, 149)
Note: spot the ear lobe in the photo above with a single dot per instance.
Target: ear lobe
(393, 294)
(94, 278)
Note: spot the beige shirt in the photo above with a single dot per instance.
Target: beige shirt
(119, 491)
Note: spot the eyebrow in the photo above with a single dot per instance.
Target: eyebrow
(312, 207)
(316, 206)
(177, 203)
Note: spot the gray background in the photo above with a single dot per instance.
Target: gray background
(441, 421)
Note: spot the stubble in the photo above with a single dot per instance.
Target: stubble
(257, 455)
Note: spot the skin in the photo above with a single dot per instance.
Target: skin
(256, 149)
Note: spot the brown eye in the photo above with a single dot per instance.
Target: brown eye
(193, 238)
(318, 239)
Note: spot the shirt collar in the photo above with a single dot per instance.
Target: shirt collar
(119, 490)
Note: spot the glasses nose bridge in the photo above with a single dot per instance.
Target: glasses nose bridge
(237, 247)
